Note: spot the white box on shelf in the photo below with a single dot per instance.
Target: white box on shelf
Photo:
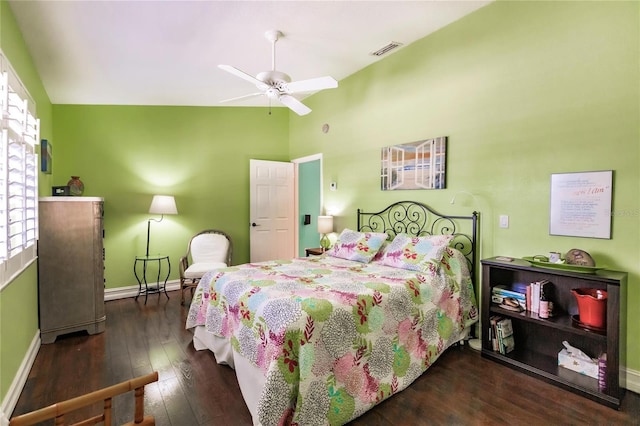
(588, 368)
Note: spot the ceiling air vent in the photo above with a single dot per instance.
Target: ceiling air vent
(386, 48)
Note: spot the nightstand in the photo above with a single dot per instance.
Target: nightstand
(314, 251)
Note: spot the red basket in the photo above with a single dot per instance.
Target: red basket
(592, 306)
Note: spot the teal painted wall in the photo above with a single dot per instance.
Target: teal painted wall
(522, 90)
(309, 202)
(19, 299)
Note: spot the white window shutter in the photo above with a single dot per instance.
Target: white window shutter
(18, 175)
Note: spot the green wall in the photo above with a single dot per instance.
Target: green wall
(522, 90)
(19, 299)
(18, 323)
(199, 155)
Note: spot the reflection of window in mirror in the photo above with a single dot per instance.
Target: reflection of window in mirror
(415, 165)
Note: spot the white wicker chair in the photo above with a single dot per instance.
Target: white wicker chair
(207, 250)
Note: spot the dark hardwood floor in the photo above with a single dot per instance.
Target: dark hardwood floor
(461, 388)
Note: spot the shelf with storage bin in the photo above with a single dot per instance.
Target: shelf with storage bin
(538, 340)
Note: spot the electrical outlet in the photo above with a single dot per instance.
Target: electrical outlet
(333, 186)
(504, 221)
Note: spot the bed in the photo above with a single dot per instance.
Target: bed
(321, 340)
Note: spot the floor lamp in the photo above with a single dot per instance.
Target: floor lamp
(161, 204)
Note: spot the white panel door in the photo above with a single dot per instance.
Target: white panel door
(272, 210)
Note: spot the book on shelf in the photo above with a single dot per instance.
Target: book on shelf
(527, 296)
(511, 298)
(501, 334)
(516, 290)
(493, 332)
(535, 297)
(522, 297)
(536, 289)
(506, 341)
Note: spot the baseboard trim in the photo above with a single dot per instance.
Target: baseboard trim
(132, 291)
(20, 379)
(630, 380)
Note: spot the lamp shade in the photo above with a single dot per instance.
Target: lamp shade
(163, 204)
(325, 224)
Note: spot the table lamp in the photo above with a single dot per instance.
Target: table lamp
(325, 226)
(161, 204)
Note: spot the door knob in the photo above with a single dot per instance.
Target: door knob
(254, 224)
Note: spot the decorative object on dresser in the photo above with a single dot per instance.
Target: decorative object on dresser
(70, 266)
(325, 226)
(76, 186)
(539, 341)
(60, 191)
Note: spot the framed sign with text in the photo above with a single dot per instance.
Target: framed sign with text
(581, 204)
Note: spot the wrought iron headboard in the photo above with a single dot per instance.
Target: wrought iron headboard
(414, 218)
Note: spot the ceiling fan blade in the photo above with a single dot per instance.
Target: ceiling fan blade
(312, 84)
(252, 95)
(243, 75)
(294, 104)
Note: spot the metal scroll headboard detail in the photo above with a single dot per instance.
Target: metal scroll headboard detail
(418, 219)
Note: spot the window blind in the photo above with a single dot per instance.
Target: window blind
(18, 175)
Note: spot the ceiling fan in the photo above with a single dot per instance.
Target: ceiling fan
(278, 85)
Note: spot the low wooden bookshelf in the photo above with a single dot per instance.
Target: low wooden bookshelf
(538, 341)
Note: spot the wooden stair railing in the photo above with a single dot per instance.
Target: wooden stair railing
(59, 410)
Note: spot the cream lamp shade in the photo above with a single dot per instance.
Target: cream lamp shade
(325, 226)
(163, 204)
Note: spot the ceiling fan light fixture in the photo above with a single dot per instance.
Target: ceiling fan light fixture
(278, 85)
(272, 93)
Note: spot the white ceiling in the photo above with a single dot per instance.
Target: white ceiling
(141, 52)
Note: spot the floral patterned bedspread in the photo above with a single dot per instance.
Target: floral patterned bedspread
(335, 337)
